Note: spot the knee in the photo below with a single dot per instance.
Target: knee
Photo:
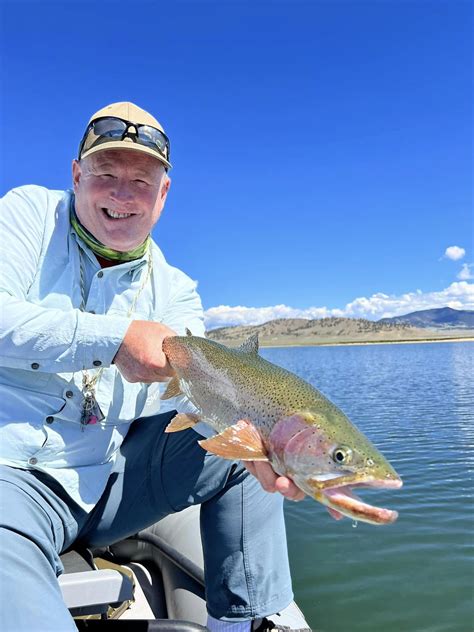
(25, 548)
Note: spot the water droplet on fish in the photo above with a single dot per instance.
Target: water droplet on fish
(354, 524)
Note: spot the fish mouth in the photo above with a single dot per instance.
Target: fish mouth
(340, 500)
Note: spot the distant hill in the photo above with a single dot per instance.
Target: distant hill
(302, 331)
(441, 317)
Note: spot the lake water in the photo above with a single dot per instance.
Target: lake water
(416, 403)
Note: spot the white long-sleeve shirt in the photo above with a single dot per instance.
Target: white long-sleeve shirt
(46, 341)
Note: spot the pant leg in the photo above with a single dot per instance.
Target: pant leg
(245, 551)
(242, 526)
(35, 526)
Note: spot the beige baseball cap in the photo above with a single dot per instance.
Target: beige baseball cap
(92, 143)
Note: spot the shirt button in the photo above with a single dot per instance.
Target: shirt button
(100, 274)
(69, 394)
(49, 420)
(33, 461)
(97, 363)
(35, 366)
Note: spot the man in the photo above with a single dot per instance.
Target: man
(86, 301)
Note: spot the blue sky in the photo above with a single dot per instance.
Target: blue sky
(322, 151)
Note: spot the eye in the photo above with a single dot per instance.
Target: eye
(141, 183)
(342, 455)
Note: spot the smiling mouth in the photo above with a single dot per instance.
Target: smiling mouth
(115, 214)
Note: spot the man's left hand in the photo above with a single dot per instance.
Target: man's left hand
(272, 482)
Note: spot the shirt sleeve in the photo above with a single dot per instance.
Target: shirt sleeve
(31, 336)
(184, 311)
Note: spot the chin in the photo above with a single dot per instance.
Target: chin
(121, 245)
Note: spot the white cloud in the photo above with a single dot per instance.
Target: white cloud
(459, 295)
(466, 272)
(455, 253)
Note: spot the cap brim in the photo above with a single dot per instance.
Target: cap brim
(119, 144)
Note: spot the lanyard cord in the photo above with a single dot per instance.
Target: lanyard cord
(90, 382)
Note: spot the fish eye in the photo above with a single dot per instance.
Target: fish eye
(342, 455)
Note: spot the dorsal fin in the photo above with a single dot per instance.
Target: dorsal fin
(250, 345)
(188, 332)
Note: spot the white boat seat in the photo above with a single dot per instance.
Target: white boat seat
(92, 592)
(87, 590)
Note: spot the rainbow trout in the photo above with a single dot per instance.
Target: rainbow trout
(262, 412)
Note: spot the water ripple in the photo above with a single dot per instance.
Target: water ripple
(416, 403)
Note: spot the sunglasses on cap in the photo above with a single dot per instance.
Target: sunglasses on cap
(107, 129)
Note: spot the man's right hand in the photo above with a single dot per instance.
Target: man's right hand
(140, 357)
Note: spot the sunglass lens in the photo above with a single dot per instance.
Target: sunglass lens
(111, 128)
(152, 137)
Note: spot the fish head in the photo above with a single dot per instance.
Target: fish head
(179, 352)
(194, 355)
(327, 456)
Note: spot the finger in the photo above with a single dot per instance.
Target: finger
(288, 489)
(250, 466)
(271, 482)
(265, 474)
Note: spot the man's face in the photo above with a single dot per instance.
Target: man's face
(120, 194)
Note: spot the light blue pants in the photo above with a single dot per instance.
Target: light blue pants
(242, 528)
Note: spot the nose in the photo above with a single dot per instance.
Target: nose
(122, 191)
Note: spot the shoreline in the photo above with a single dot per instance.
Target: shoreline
(366, 342)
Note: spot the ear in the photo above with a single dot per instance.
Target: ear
(76, 173)
(165, 187)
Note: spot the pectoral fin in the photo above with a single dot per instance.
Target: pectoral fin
(173, 389)
(182, 422)
(240, 441)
